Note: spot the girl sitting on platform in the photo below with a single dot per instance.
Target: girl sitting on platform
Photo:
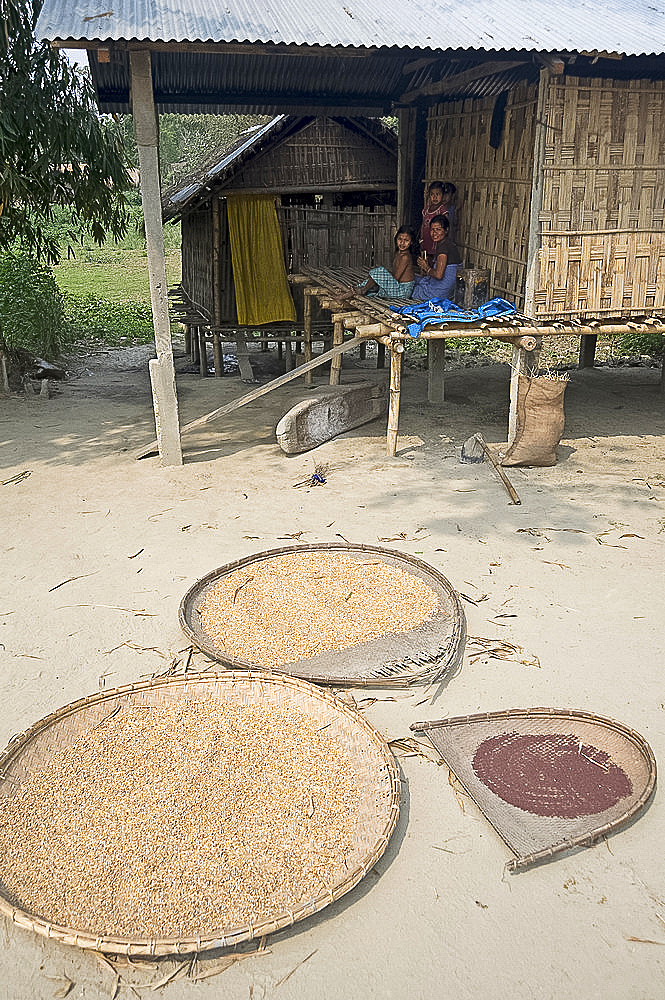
(398, 282)
(437, 281)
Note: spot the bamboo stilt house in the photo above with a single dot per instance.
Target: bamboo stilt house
(549, 119)
(334, 180)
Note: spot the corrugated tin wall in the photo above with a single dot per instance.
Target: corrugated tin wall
(603, 209)
(493, 184)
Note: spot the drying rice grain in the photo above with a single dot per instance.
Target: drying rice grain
(294, 606)
(177, 820)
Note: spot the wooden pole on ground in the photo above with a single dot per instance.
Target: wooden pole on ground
(396, 354)
(162, 371)
(249, 397)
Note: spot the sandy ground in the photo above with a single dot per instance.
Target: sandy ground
(579, 566)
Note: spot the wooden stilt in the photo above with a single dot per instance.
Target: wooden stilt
(307, 330)
(203, 353)
(587, 350)
(436, 352)
(380, 356)
(336, 363)
(396, 355)
(217, 354)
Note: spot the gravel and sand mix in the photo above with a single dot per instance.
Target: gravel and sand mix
(173, 821)
(295, 606)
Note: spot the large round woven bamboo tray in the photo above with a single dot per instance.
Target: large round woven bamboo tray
(376, 775)
(426, 653)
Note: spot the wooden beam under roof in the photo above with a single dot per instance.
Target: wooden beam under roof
(453, 84)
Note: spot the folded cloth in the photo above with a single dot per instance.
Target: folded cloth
(437, 311)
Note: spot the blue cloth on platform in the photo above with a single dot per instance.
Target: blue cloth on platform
(444, 311)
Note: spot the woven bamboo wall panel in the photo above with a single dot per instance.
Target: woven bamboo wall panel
(336, 237)
(603, 208)
(322, 155)
(197, 256)
(493, 185)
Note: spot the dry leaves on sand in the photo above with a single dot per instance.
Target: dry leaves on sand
(499, 649)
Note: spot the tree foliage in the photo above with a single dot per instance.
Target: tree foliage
(32, 314)
(55, 148)
(186, 141)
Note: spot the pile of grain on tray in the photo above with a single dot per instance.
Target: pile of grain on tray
(174, 821)
(294, 606)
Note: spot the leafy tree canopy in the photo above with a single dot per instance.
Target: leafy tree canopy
(55, 148)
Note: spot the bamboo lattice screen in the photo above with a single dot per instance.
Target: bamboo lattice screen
(493, 185)
(603, 207)
(602, 242)
(359, 236)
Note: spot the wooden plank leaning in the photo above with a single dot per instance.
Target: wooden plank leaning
(249, 397)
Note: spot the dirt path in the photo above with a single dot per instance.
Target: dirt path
(97, 551)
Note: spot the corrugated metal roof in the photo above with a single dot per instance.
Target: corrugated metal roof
(629, 27)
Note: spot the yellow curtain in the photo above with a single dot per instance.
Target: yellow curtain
(262, 290)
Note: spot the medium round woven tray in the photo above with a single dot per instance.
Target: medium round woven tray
(422, 655)
(375, 771)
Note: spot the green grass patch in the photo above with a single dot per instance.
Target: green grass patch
(111, 273)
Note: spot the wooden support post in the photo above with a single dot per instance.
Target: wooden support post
(587, 350)
(307, 331)
(363, 351)
(217, 354)
(188, 339)
(336, 363)
(203, 352)
(289, 354)
(216, 303)
(534, 237)
(396, 355)
(436, 363)
(162, 370)
(523, 363)
(380, 356)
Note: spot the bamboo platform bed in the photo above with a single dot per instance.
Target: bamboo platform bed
(372, 318)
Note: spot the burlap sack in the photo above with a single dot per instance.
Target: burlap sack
(539, 420)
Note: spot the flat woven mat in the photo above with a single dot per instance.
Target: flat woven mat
(546, 779)
(370, 824)
(423, 654)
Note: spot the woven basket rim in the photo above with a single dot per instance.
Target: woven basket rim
(419, 672)
(219, 937)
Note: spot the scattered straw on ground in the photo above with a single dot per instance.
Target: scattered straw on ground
(174, 821)
(294, 606)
